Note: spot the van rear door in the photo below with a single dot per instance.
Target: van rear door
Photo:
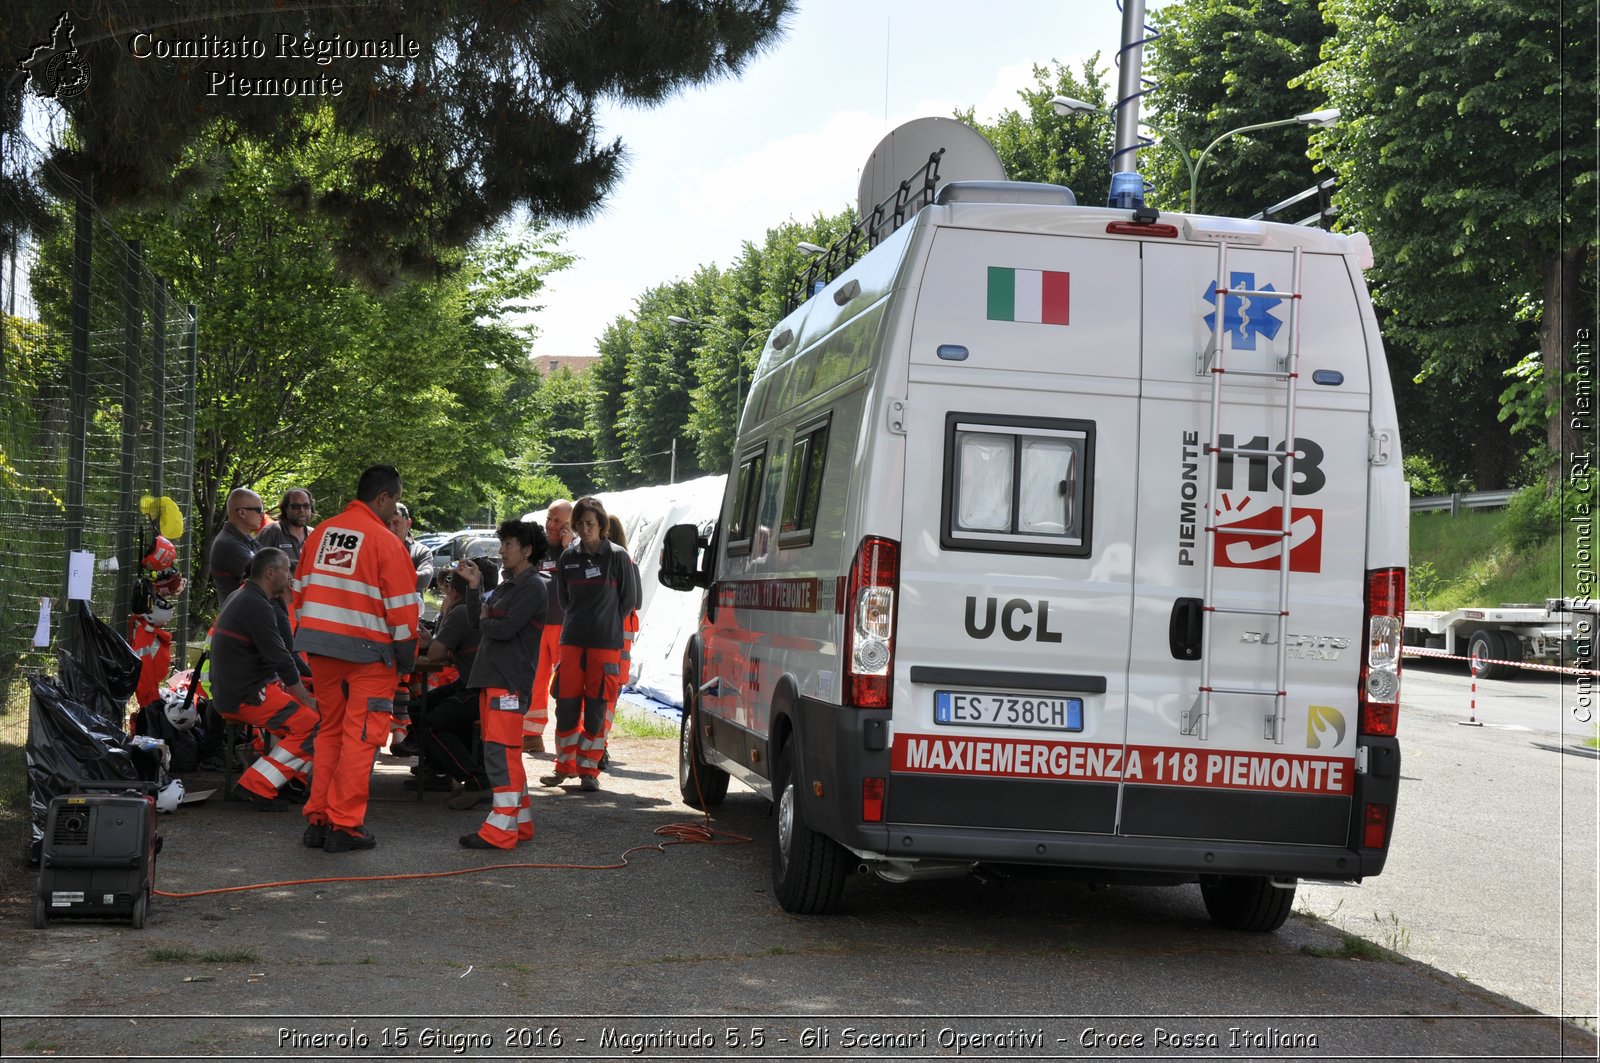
(1237, 775)
(1016, 573)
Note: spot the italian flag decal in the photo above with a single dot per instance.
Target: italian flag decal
(1039, 296)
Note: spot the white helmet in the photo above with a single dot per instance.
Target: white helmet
(181, 712)
(170, 797)
(160, 613)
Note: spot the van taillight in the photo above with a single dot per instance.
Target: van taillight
(1375, 827)
(1379, 696)
(869, 623)
(872, 789)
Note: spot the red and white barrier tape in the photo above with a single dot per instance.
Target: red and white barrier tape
(1443, 655)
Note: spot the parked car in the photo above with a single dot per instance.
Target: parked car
(454, 546)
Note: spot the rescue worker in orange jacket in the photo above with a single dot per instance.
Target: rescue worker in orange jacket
(355, 598)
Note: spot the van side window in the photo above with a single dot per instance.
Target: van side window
(1018, 485)
(802, 493)
(742, 521)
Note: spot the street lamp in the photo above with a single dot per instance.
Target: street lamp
(1066, 106)
(1324, 117)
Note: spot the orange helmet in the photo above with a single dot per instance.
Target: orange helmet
(162, 556)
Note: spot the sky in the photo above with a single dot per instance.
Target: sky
(718, 165)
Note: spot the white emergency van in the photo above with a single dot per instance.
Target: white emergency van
(1061, 536)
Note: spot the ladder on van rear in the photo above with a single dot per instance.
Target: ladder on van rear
(1213, 360)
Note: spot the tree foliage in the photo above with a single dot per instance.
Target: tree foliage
(658, 381)
(467, 111)
(1458, 153)
(306, 377)
(1222, 64)
(745, 307)
(1036, 144)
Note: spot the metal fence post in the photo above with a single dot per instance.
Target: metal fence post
(77, 395)
(128, 532)
(188, 559)
(158, 381)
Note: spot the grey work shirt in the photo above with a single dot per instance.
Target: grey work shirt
(279, 535)
(459, 637)
(249, 649)
(598, 591)
(231, 553)
(510, 624)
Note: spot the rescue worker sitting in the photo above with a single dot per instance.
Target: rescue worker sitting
(450, 712)
(255, 680)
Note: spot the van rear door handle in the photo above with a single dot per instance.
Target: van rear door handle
(1186, 627)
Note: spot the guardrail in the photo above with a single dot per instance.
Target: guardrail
(1455, 503)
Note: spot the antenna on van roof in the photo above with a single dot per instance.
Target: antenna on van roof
(941, 150)
(1127, 186)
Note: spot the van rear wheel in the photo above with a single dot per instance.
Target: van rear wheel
(808, 868)
(1246, 902)
(699, 784)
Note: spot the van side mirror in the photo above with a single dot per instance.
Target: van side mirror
(680, 554)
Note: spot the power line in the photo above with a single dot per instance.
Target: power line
(598, 461)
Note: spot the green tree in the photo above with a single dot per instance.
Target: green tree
(607, 385)
(1036, 144)
(563, 438)
(1222, 64)
(661, 378)
(468, 112)
(306, 377)
(1460, 154)
(746, 305)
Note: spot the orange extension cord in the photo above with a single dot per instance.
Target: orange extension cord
(677, 834)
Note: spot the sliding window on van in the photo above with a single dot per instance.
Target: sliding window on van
(742, 521)
(803, 491)
(1018, 484)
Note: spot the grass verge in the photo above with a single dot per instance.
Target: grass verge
(1464, 560)
(640, 724)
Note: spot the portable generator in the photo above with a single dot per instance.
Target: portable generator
(98, 858)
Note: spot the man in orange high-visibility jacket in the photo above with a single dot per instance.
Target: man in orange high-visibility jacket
(355, 597)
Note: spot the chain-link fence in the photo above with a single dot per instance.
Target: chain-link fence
(97, 368)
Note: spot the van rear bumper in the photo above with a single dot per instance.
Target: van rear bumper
(836, 747)
(1114, 852)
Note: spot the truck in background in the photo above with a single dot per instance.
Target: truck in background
(1496, 640)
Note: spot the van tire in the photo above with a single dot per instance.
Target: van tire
(808, 869)
(699, 784)
(1246, 902)
(1484, 647)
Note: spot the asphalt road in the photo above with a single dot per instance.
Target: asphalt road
(1491, 873)
(661, 959)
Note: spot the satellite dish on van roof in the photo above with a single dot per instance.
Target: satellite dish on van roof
(967, 157)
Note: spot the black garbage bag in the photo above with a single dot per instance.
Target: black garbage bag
(106, 661)
(69, 743)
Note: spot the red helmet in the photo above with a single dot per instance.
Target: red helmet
(162, 556)
(168, 584)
